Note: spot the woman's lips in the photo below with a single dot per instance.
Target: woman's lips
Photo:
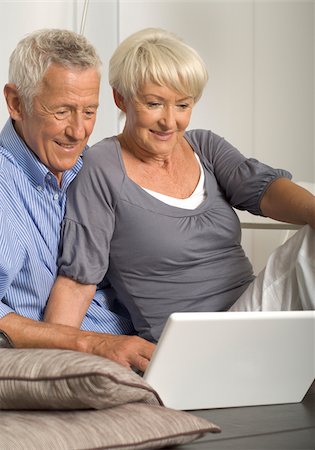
(164, 136)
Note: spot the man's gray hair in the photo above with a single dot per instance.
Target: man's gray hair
(38, 50)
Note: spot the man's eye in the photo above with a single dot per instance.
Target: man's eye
(62, 114)
(89, 114)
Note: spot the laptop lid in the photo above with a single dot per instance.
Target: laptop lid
(231, 359)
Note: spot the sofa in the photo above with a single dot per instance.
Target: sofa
(62, 399)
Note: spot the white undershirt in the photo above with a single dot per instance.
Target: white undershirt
(191, 202)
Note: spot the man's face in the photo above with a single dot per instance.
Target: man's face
(62, 118)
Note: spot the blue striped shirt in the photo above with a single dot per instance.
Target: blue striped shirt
(31, 210)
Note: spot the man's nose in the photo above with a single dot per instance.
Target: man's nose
(76, 126)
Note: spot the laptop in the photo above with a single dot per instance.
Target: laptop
(230, 359)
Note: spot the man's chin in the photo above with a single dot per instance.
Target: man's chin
(59, 169)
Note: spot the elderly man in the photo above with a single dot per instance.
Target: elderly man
(52, 98)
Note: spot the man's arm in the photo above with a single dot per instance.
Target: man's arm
(130, 351)
(288, 202)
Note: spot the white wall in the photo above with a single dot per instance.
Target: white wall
(21, 17)
(102, 30)
(261, 61)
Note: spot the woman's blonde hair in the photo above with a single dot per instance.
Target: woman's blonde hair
(160, 57)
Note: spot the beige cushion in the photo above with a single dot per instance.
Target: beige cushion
(64, 379)
(130, 426)
(124, 411)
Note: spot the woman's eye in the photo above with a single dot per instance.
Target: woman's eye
(154, 104)
(183, 105)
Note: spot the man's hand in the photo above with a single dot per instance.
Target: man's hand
(130, 351)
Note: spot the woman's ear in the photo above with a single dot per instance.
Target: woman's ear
(13, 100)
(119, 100)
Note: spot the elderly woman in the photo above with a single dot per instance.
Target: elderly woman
(152, 208)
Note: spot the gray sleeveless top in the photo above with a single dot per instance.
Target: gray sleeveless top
(160, 258)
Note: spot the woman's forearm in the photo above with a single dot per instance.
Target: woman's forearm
(68, 302)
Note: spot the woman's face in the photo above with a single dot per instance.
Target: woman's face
(157, 119)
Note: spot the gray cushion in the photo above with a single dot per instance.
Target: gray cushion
(130, 426)
(64, 379)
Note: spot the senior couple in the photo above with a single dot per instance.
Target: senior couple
(99, 246)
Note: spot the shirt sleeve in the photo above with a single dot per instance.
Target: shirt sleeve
(88, 226)
(10, 261)
(243, 180)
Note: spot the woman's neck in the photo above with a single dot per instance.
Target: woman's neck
(132, 151)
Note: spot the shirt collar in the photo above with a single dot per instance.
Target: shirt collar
(33, 168)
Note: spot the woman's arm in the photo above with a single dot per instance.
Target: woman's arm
(288, 202)
(68, 302)
(67, 305)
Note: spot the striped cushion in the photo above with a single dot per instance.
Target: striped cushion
(64, 379)
(124, 412)
(130, 426)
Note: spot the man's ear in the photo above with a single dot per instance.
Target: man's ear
(119, 100)
(13, 100)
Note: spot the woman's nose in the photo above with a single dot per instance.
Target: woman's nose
(169, 118)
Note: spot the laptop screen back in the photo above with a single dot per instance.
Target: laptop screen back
(226, 359)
